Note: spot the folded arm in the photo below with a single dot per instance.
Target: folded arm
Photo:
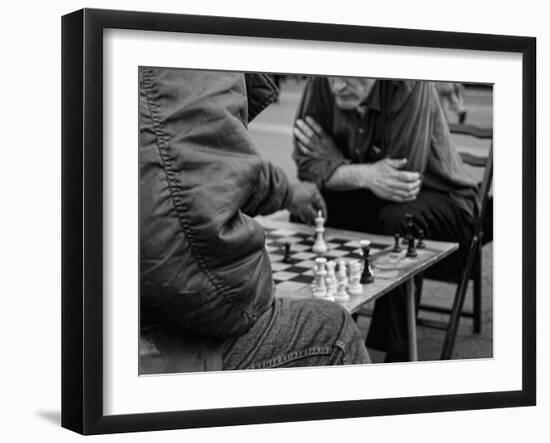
(384, 178)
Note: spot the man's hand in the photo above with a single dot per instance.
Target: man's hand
(312, 140)
(306, 202)
(387, 181)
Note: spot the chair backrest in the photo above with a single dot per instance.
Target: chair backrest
(472, 130)
(478, 161)
(484, 190)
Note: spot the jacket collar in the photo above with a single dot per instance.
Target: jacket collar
(261, 91)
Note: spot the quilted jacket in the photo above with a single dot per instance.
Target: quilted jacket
(205, 273)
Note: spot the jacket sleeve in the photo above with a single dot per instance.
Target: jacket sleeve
(317, 102)
(204, 265)
(410, 125)
(272, 193)
(419, 132)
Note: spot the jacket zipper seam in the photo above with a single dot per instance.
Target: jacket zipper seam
(179, 205)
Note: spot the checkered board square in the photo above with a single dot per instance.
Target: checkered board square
(299, 270)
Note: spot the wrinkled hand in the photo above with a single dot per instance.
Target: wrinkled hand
(387, 181)
(306, 202)
(312, 140)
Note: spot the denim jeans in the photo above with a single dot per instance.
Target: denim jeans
(297, 333)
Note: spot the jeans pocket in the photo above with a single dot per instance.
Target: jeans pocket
(318, 356)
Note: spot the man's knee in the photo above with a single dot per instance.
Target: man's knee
(352, 344)
(340, 329)
(391, 219)
(347, 336)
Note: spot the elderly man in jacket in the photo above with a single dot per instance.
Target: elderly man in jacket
(378, 149)
(207, 295)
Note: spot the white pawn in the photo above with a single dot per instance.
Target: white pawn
(342, 283)
(341, 293)
(341, 276)
(319, 246)
(331, 280)
(355, 287)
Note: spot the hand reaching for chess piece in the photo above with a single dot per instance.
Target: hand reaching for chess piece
(306, 202)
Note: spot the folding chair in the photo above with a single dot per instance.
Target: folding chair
(483, 233)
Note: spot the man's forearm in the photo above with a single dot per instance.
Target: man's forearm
(348, 178)
(272, 191)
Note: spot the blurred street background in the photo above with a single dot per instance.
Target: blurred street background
(272, 132)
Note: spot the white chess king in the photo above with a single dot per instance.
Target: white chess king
(319, 246)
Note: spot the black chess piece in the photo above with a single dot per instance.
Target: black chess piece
(287, 257)
(396, 247)
(366, 276)
(420, 244)
(409, 227)
(411, 249)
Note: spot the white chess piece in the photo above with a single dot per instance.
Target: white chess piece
(355, 287)
(341, 275)
(319, 246)
(342, 282)
(319, 287)
(341, 294)
(331, 280)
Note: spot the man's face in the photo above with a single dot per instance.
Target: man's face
(350, 92)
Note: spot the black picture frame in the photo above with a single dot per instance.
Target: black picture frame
(82, 218)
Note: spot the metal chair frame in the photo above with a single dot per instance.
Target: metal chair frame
(473, 264)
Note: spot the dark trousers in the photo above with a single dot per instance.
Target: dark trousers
(434, 212)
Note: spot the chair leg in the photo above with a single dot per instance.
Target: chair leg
(477, 302)
(418, 284)
(458, 302)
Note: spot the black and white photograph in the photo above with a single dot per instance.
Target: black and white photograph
(298, 220)
(275, 222)
(287, 221)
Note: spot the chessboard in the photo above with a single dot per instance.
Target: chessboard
(298, 272)
(289, 277)
(389, 267)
